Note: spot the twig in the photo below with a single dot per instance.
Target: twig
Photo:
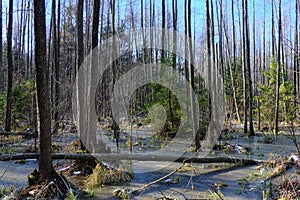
(166, 176)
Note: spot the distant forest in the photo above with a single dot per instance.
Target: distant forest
(255, 44)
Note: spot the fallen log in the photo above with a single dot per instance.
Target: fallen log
(137, 157)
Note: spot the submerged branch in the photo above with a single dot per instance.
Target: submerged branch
(138, 157)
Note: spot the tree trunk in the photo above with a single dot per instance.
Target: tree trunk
(208, 42)
(175, 14)
(79, 29)
(91, 140)
(28, 66)
(1, 69)
(273, 29)
(56, 41)
(231, 73)
(233, 35)
(192, 78)
(9, 68)
(163, 25)
(220, 32)
(251, 128)
(212, 35)
(95, 25)
(244, 68)
(56, 79)
(45, 158)
(80, 56)
(296, 54)
(278, 70)
(23, 40)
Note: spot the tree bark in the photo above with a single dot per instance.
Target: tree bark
(264, 42)
(208, 43)
(273, 29)
(45, 157)
(233, 34)
(56, 67)
(163, 25)
(28, 42)
(244, 68)
(220, 32)
(175, 16)
(91, 141)
(251, 128)
(231, 73)
(1, 67)
(278, 70)
(9, 68)
(95, 23)
(80, 56)
(296, 54)
(79, 29)
(192, 79)
(212, 35)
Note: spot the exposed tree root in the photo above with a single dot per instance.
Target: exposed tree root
(57, 187)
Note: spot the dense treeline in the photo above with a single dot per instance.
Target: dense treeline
(255, 44)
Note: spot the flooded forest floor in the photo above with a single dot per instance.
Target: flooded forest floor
(190, 181)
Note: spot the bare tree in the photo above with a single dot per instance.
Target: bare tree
(255, 75)
(57, 68)
(273, 29)
(192, 77)
(28, 66)
(56, 65)
(94, 62)
(80, 54)
(220, 34)
(278, 69)
(208, 40)
(244, 68)
(79, 29)
(212, 36)
(296, 53)
(95, 23)
(247, 38)
(163, 25)
(234, 95)
(175, 16)
(10, 68)
(1, 70)
(264, 41)
(45, 157)
(233, 33)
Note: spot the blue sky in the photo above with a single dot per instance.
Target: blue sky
(198, 13)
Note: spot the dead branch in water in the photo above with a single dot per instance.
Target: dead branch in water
(137, 157)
